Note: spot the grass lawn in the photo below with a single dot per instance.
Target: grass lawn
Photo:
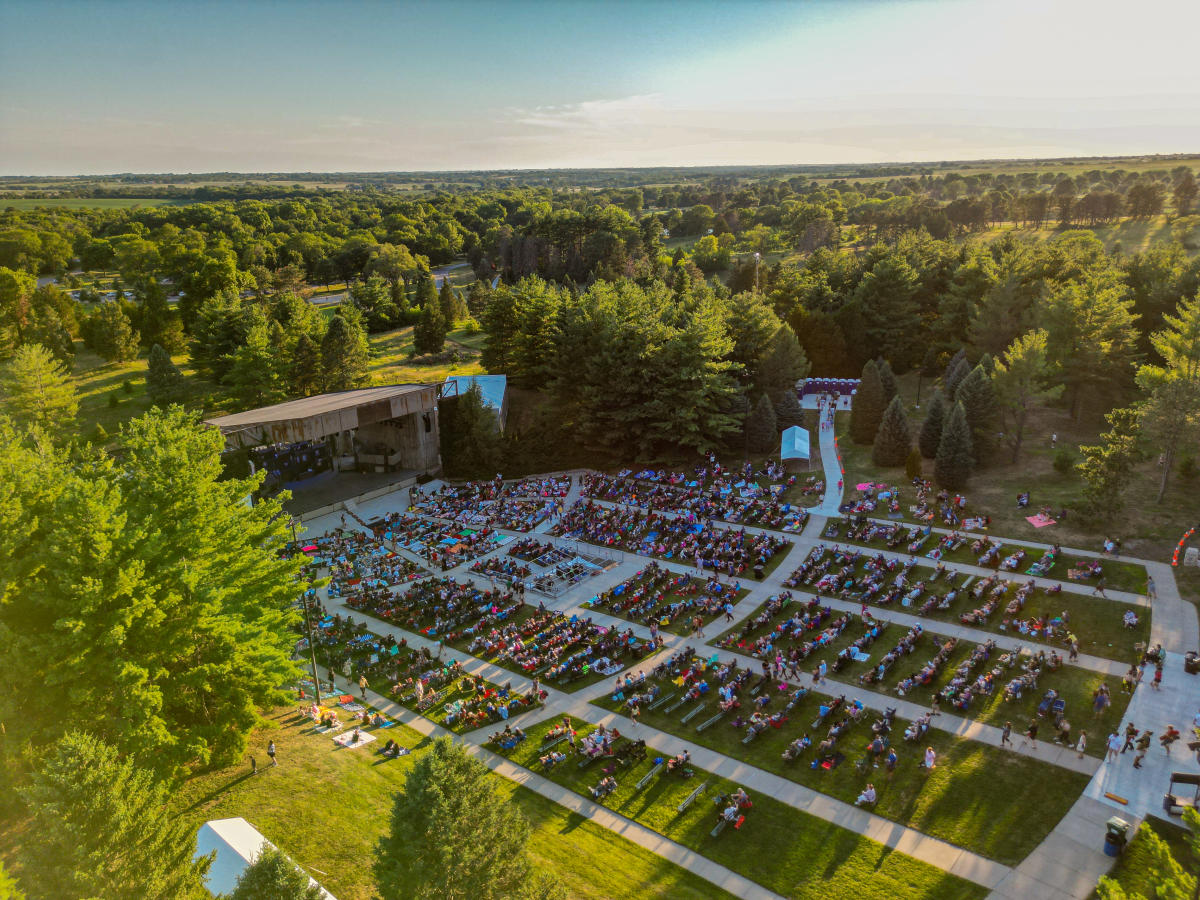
(1134, 868)
(1073, 684)
(99, 383)
(1098, 623)
(781, 848)
(1148, 529)
(327, 807)
(970, 798)
(459, 693)
(391, 365)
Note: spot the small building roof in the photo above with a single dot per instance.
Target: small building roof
(793, 443)
(238, 844)
(492, 387)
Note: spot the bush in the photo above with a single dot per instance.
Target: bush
(113, 400)
(912, 465)
(1187, 468)
(1064, 462)
(127, 386)
(100, 436)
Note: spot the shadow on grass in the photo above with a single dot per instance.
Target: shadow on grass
(574, 820)
(213, 795)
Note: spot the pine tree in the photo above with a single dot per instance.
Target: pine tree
(345, 354)
(453, 837)
(164, 381)
(426, 292)
(106, 828)
(978, 397)
(113, 336)
(253, 376)
(36, 391)
(954, 461)
(274, 877)
(471, 445)
(931, 429)
(446, 301)
(887, 378)
(893, 440)
(788, 412)
(1107, 467)
(762, 432)
(781, 364)
(866, 410)
(429, 334)
(958, 369)
(304, 370)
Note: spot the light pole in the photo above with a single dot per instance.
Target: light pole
(312, 648)
(757, 260)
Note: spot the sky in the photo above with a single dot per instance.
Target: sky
(94, 87)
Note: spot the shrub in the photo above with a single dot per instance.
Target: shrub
(1064, 462)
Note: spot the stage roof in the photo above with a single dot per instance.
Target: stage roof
(312, 418)
(491, 387)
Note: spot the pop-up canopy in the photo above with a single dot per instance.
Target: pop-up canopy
(794, 444)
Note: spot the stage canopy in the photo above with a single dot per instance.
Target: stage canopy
(794, 444)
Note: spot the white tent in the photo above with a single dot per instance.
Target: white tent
(794, 444)
(238, 844)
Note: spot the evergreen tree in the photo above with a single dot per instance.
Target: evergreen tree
(931, 428)
(429, 334)
(36, 391)
(164, 381)
(762, 431)
(178, 604)
(106, 828)
(471, 445)
(274, 877)
(112, 334)
(978, 396)
(954, 461)
(426, 292)
(253, 376)
(782, 363)
(953, 364)
(893, 440)
(304, 371)
(1107, 467)
(453, 837)
(345, 355)
(1021, 380)
(788, 412)
(887, 378)
(958, 369)
(446, 300)
(866, 410)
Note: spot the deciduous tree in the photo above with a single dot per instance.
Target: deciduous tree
(272, 876)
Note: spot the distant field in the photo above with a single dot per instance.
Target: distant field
(90, 203)
(1127, 236)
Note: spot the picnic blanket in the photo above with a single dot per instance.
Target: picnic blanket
(1039, 521)
(344, 738)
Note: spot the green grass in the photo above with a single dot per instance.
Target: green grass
(973, 798)
(97, 382)
(783, 849)
(327, 807)
(1149, 529)
(391, 364)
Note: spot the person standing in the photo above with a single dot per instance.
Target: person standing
(253, 766)
(362, 685)
(1081, 744)
(1151, 590)
(1005, 740)
(271, 752)
(1158, 675)
(821, 670)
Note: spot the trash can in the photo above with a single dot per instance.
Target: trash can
(1116, 836)
(1191, 663)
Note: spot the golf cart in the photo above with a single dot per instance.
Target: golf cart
(1187, 796)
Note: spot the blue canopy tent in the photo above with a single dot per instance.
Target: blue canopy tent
(794, 444)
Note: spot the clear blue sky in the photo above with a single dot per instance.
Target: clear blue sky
(98, 87)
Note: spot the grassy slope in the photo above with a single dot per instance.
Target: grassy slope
(327, 807)
(391, 364)
(786, 850)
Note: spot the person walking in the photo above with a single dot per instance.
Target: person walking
(1081, 744)
(362, 685)
(1143, 744)
(1158, 673)
(636, 715)
(1031, 734)
(1004, 735)
(1170, 736)
(271, 752)
(821, 670)
(1099, 589)
(253, 766)
(1130, 736)
(1151, 590)
(1073, 655)
(1114, 746)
